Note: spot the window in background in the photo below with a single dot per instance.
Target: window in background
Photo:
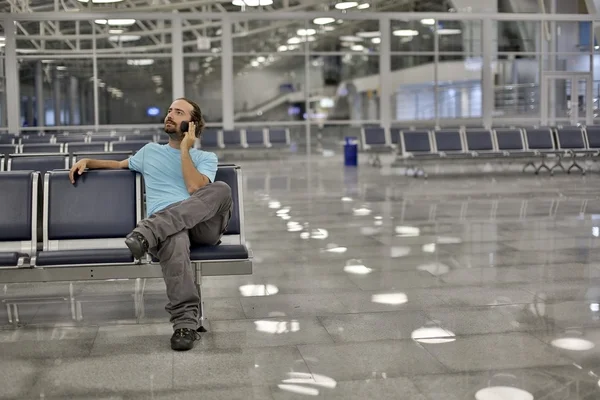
(67, 91)
(127, 87)
(203, 84)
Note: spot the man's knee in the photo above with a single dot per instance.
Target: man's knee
(219, 191)
(175, 246)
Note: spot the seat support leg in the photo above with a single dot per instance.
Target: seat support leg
(530, 163)
(577, 166)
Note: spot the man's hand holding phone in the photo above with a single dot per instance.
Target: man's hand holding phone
(189, 138)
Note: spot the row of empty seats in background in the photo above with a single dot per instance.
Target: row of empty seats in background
(82, 228)
(532, 143)
(43, 162)
(69, 148)
(76, 138)
(245, 138)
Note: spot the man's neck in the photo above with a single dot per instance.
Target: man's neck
(175, 144)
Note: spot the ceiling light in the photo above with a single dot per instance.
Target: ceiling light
(282, 48)
(255, 63)
(261, 59)
(124, 38)
(294, 40)
(448, 31)
(392, 299)
(252, 3)
(61, 68)
(323, 20)
(351, 39)
(116, 31)
(376, 40)
(369, 34)
(346, 5)
(306, 32)
(116, 22)
(140, 62)
(434, 335)
(405, 32)
(357, 47)
(428, 21)
(503, 392)
(363, 6)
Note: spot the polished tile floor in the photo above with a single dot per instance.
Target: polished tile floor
(366, 285)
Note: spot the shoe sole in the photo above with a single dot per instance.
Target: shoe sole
(135, 248)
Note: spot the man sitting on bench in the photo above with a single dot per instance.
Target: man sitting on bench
(183, 203)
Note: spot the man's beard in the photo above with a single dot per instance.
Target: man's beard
(173, 132)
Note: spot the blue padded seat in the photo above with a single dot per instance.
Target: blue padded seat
(140, 136)
(375, 136)
(255, 138)
(221, 252)
(9, 258)
(6, 139)
(42, 148)
(209, 139)
(16, 198)
(82, 257)
(479, 140)
(232, 138)
(228, 175)
(130, 145)
(16, 215)
(278, 137)
(448, 140)
(539, 139)
(35, 139)
(37, 162)
(104, 138)
(509, 139)
(86, 147)
(416, 141)
(592, 133)
(6, 149)
(102, 205)
(570, 138)
(70, 139)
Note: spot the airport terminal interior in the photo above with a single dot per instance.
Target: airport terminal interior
(414, 184)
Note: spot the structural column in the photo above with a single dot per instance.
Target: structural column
(177, 59)
(39, 94)
(487, 76)
(227, 74)
(74, 114)
(385, 75)
(56, 96)
(13, 97)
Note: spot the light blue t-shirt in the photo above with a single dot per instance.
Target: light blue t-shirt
(161, 167)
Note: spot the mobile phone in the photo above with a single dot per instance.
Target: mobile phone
(184, 127)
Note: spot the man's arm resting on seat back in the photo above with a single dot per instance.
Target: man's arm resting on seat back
(107, 164)
(194, 180)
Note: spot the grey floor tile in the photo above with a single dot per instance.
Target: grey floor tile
(495, 351)
(389, 300)
(381, 388)
(483, 296)
(292, 305)
(223, 308)
(365, 360)
(374, 326)
(132, 339)
(46, 343)
(105, 375)
(542, 383)
(582, 345)
(216, 392)
(265, 332)
(17, 376)
(396, 280)
(498, 319)
(236, 366)
(308, 284)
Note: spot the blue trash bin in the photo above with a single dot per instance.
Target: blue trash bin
(351, 152)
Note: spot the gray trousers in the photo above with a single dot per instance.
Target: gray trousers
(201, 220)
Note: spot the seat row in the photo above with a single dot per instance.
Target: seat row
(414, 147)
(245, 138)
(43, 162)
(67, 232)
(74, 138)
(71, 148)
